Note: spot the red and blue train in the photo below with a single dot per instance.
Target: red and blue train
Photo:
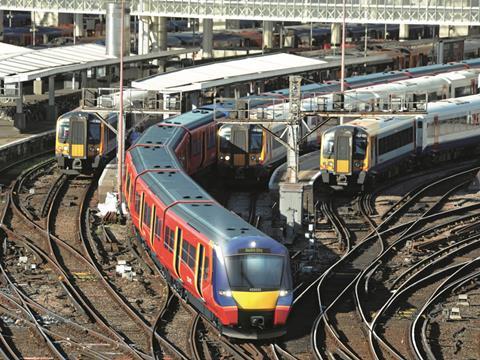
(235, 275)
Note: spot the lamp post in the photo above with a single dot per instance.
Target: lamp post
(342, 70)
(120, 128)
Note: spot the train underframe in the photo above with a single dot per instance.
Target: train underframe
(78, 166)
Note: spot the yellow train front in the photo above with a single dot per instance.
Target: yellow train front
(344, 159)
(83, 141)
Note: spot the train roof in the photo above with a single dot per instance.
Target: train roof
(422, 84)
(472, 62)
(371, 79)
(428, 69)
(376, 124)
(167, 180)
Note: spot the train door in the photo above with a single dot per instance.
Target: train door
(240, 146)
(78, 137)
(343, 153)
(199, 268)
(203, 149)
(436, 131)
(177, 251)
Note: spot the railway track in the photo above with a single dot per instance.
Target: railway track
(351, 269)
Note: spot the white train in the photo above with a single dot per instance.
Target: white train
(263, 152)
(365, 149)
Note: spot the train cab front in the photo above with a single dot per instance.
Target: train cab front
(343, 159)
(78, 142)
(241, 152)
(255, 291)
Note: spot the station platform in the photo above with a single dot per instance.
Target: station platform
(9, 134)
(308, 171)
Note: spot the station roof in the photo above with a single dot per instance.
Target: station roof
(34, 64)
(227, 72)
(9, 50)
(204, 77)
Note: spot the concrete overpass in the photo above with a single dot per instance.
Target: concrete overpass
(440, 12)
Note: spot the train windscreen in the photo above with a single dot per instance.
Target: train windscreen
(225, 134)
(63, 130)
(255, 141)
(328, 144)
(360, 146)
(94, 133)
(254, 271)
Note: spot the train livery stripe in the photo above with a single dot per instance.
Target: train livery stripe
(263, 300)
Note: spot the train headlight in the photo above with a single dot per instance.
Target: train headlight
(227, 157)
(253, 157)
(221, 157)
(65, 148)
(226, 293)
(330, 163)
(283, 293)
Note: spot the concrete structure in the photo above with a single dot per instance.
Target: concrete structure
(152, 34)
(78, 25)
(46, 18)
(143, 35)
(403, 32)
(447, 31)
(1, 25)
(365, 11)
(336, 34)
(114, 30)
(207, 38)
(15, 146)
(267, 34)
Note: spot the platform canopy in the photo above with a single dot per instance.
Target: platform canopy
(9, 50)
(40, 63)
(228, 72)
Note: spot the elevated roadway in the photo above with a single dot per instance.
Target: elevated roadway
(440, 12)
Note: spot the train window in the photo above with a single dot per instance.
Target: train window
(94, 133)
(255, 140)
(225, 134)
(360, 146)
(137, 202)
(158, 227)
(188, 254)
(463, 91)
(395, 141)
(147, 215)
(254, 271)
(328, 144)
(206, 268)
(169, 239)
(63, 131)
